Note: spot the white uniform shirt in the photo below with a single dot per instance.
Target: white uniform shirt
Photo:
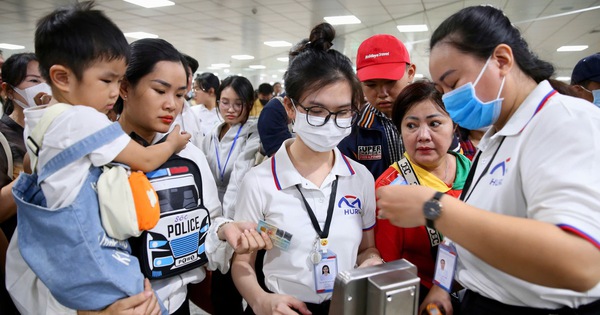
(242, 157)
(547, 169)
(268, 192)
(190, 122)
(209, 118)
(32, 297)
(74, 124)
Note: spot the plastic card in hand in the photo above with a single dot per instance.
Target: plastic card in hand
(280, 238)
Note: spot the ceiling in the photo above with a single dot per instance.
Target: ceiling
(213, 30)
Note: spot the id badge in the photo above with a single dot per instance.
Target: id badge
(325, 272)
(445, 266)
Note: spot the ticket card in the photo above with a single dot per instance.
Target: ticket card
(279, 237)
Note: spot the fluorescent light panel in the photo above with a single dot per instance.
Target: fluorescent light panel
(283, 59)
(242, 57)
(572, 48)
(278, 43)
(342, 20)
(220, 65)
(11, 46)
(151, 3)
(412, 28)
(257, 67)
(419, 76)
(568, 79)
(140, 35)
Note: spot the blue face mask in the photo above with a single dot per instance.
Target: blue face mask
(596, 94)
(467, 110)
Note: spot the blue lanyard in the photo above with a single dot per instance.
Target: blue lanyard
(222, 170)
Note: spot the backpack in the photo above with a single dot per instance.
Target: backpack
(176, 244)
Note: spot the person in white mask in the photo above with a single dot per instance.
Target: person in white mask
(23, 87)
(321, 202)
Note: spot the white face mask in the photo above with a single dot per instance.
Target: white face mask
(323, 138)
(29, 93)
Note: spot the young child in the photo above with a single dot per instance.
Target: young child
(83, 56)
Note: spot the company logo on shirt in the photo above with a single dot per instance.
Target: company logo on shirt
(498, 172)
(350, 204)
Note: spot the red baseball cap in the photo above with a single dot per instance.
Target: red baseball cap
(381, 57)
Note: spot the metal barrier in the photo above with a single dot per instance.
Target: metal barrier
(391, 288)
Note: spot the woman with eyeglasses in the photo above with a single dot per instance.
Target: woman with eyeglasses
(230, 149)
(317, 203)
(205, 88)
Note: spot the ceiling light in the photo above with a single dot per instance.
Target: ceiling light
(257, 67)
(412, 28)
(282, 70)
(278, 43)
(226, 70)
(568, 79)
(342, 20)
(419, 76)
(572, 48)
(151, 3)
(220, 65)
(284, 59)
(11, 46)
(242, 57)
(140, 35)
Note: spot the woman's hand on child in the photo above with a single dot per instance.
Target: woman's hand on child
(179, 139)
(244, 238)
(144, 303)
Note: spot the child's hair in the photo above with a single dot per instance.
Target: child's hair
(243, 88)
(477, 30)
(315, 65)
(76, 37)
(14, 71)
(145, 54)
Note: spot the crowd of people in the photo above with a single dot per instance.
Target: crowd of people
(483, 176)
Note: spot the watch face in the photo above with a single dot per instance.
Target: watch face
(431, 209)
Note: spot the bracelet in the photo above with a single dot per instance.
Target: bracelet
(219, 228)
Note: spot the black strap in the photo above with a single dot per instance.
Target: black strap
(463, 195)
(322, 234)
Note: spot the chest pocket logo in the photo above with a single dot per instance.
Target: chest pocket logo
(498, 172)
(350, 205)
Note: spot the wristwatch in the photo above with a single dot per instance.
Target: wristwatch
(432, 209)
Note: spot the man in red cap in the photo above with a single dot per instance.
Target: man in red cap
(383, 66)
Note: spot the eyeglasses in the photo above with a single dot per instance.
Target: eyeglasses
(318, 116)
(226, 104)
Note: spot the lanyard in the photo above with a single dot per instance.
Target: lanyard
(463, 195)
(222, 170)
(322, 234)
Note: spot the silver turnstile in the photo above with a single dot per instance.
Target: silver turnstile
(391, 288)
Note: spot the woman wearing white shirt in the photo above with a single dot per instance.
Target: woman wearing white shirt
(205, 89)
(149, 97)
(230, 150)
(527, 237)
(320, 198)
